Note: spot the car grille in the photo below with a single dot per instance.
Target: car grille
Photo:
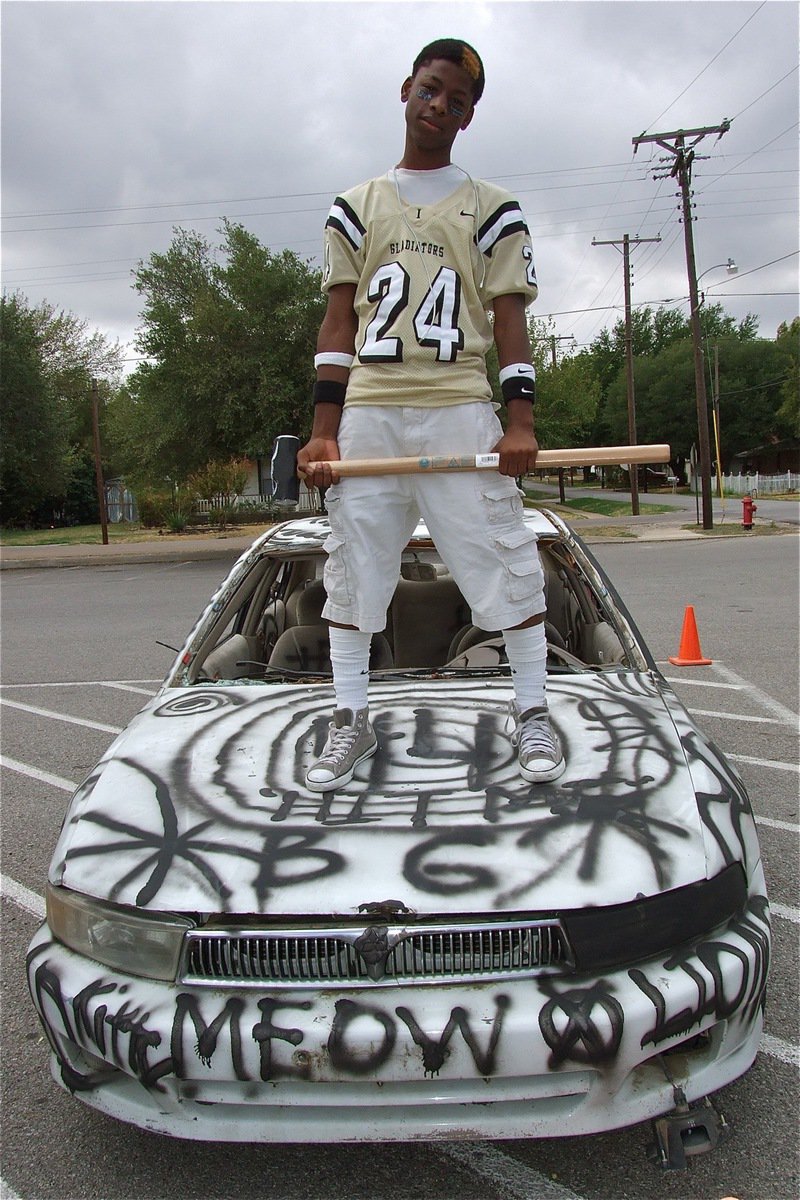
(377, 954)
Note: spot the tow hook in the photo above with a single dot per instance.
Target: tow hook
(688, 1129)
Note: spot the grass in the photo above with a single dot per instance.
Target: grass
(598, 504)
(74, 535)
(731, 529)
(91, 535)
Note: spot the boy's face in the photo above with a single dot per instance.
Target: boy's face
(438, 104)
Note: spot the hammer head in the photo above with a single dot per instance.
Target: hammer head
(283, 471)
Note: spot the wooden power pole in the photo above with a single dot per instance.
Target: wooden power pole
(98, 466)
(682, 151)
(626, 243)
(554, 340)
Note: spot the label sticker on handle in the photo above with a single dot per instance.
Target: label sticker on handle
(487, 460)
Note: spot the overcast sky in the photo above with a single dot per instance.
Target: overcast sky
(122, 120)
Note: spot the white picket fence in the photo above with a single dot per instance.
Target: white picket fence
(305, 504)
(762, 485)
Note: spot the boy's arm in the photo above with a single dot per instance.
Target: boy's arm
(338, 333)
(518, 446)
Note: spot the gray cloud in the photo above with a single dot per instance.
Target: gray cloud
(121, 120)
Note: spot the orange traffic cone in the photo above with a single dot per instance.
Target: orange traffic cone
(690, 654)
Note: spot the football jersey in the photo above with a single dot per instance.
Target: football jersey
(425, 279)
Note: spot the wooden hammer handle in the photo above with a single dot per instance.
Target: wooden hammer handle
(585, 457)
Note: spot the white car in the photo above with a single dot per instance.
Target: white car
(440, 950)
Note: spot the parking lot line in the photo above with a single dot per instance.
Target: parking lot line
(22, 896)
(57, 716)
(729, 716)
(73, 683)
(774, 706)
(509, 1176)
(66, 785)
(128, 687)
(764, 762)
(708, 683)
(785, 911)
(786, 1052)
(771, 823)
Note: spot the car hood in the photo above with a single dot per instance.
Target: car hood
(200, 806)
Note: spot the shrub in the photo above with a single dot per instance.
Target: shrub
(153, 505)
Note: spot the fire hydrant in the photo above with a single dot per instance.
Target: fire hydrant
(748, 508)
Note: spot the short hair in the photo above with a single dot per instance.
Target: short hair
(458, 52)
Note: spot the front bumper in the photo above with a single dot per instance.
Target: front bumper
(551, 1056)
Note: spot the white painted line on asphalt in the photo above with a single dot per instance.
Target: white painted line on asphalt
(508, 1176)
(733, 687)
(787, 1052)
(128, 687)
(23, 897)
(7, 1192)
(72, 683)
(729, 716)
(66, 785)
(786, 911)
(56, 716)
(764, 762)
(771, 823)
(772, 705)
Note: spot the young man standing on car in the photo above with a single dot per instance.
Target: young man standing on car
(414, 260)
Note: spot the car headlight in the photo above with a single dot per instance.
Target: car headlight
(640, 929)
(136, 943)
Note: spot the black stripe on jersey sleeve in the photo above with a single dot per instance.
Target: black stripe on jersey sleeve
(493, 228)
(334, 221)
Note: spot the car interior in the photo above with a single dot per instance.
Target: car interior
(277, 628)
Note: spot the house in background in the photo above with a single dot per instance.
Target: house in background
(773, 458)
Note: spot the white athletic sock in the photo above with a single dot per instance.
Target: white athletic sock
(527, 657)
(350, 662)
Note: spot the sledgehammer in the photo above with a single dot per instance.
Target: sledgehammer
(286, 483)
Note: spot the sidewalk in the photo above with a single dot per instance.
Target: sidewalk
(592, 528)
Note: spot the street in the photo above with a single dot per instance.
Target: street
(80, 656)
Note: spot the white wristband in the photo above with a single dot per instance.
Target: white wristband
(332, 358)
(515, 369)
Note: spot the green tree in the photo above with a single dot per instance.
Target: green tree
(788, 340)
(49, 358)
(34, 451)
(230, 340)
(751, 372)
(567, 393)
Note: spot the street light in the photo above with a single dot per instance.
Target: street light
(730, 266)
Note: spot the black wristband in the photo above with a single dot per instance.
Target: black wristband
(519, 387)
(329, 391)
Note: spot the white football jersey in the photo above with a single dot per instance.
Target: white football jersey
(425, 279)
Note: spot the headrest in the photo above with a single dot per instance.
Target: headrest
(310, 603)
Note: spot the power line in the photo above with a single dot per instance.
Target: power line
(708, 64)
(766, 93)
(777, 137)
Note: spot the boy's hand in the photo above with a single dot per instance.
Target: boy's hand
(517, 448)
(318, 450)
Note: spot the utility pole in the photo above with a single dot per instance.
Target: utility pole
(626, 267)
(554, 339)
(715, 410)
(98, 466)
(684, 156)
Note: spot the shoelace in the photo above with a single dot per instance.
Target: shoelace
(340, 742)
(535, 737)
